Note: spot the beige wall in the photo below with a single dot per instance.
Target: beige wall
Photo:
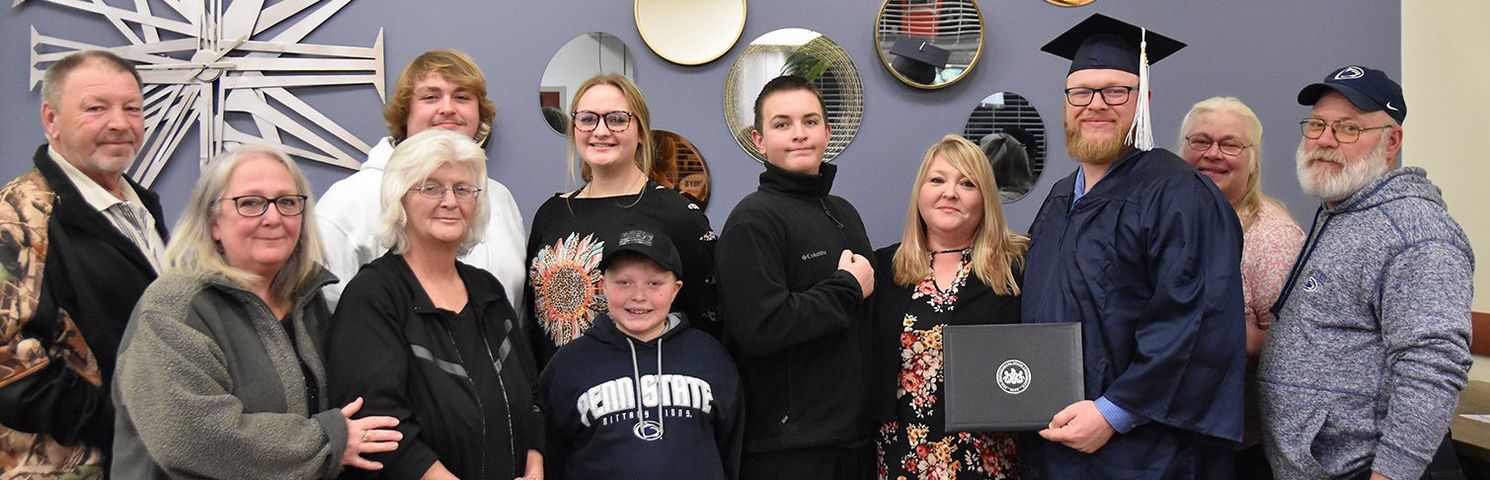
(1446, 78)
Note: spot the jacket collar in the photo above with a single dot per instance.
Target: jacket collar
(477, 300)
(776, 179)
(72, 210)
(321, 278)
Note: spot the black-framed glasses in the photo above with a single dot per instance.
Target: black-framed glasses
(256, 205)
(615, 121)
(1114, 95)
(435, 191)
(1201, 143)
(1345, 131)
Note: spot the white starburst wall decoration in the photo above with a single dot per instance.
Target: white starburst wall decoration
(203, 59)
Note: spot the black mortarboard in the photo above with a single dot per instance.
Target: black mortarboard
(1104, 42)
(918, 59)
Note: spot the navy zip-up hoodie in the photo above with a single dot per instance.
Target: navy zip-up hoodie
(689, 423)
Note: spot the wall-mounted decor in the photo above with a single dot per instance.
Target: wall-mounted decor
(1069, 3)
(1011, 134)
(681, 166)
(801, 52)
(585, 56)
(929, 43)
(205, 62)
(690, 32)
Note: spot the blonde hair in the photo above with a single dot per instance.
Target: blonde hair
(411, 163)
(996, 252)
(455, 67)
(193, 251)
(641, 119)
(1250, 205)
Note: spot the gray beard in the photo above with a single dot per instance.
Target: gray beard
(1353, 176)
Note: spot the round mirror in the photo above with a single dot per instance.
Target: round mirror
(929, 43)
(801, 52)
(1010, 132)
(583, 57)
(680, 166)
(1069, 3)
(694, 32)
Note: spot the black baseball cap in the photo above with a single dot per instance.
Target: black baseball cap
(1368, 89)
(647, 241)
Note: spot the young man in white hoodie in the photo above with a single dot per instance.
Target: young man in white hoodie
(439, 89)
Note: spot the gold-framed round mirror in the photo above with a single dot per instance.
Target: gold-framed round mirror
(1069, 3)
(584, 56)
(801, 52)
(1010, 132)
(692, 32)
(680, 166)
(929, 44)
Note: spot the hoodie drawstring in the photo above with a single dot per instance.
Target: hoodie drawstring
(649, 430)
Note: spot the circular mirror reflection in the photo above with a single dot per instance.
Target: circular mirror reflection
(692, 32)
(929, 43)
(585, 56)
(795, 51)
(680, 166)
(1010, 132)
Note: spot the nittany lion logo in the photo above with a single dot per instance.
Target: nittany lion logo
(1013, 376)
(1350, 73)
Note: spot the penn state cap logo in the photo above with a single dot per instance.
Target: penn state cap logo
(1314, 281)
(1350, 73)
(1013, 376)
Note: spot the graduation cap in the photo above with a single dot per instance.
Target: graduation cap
(1103, 42)
(918, 59)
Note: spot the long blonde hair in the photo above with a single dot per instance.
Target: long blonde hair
(1250, 205)
(192, 249)
(996, 252)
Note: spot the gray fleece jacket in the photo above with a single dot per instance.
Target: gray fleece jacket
(1365, 361)
(208, 386)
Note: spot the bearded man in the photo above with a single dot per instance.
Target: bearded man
(1145, 252)
(1364, 363)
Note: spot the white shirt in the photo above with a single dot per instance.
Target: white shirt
(348, 218)
(129, 215)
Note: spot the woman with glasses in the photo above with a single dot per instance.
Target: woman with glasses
(220, 372)
(433, 341)
(612, 146)
(1222, 138)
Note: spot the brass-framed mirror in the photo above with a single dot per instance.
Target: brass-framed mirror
(1069, 3)
(584, 56)
(1010, 132)
(795, 51)
(691, 32)
(929, 44)
(680, 166)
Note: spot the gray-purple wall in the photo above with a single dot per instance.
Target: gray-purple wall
(1261, 52)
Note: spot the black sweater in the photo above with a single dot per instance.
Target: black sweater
(563, 295)
(588, 394)
(389, 345)
(797, 325)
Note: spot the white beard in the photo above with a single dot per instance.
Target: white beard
(1319, 183)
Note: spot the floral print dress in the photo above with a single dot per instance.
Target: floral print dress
(914, 444)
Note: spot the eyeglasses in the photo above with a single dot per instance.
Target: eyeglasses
(1345, 131)
(1114, 95)
(257, 205)
(1201, 144)
(617, 121)
(435, 191)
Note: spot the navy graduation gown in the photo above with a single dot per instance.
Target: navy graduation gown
(1149, 262)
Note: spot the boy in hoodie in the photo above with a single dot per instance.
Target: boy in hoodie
(614, 409)
(793, 276)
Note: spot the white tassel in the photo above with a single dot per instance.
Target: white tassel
(1141, 135)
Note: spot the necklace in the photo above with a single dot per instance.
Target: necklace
(950, 250)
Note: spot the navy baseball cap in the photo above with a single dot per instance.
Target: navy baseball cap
(647, 241)
(1368, 89)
